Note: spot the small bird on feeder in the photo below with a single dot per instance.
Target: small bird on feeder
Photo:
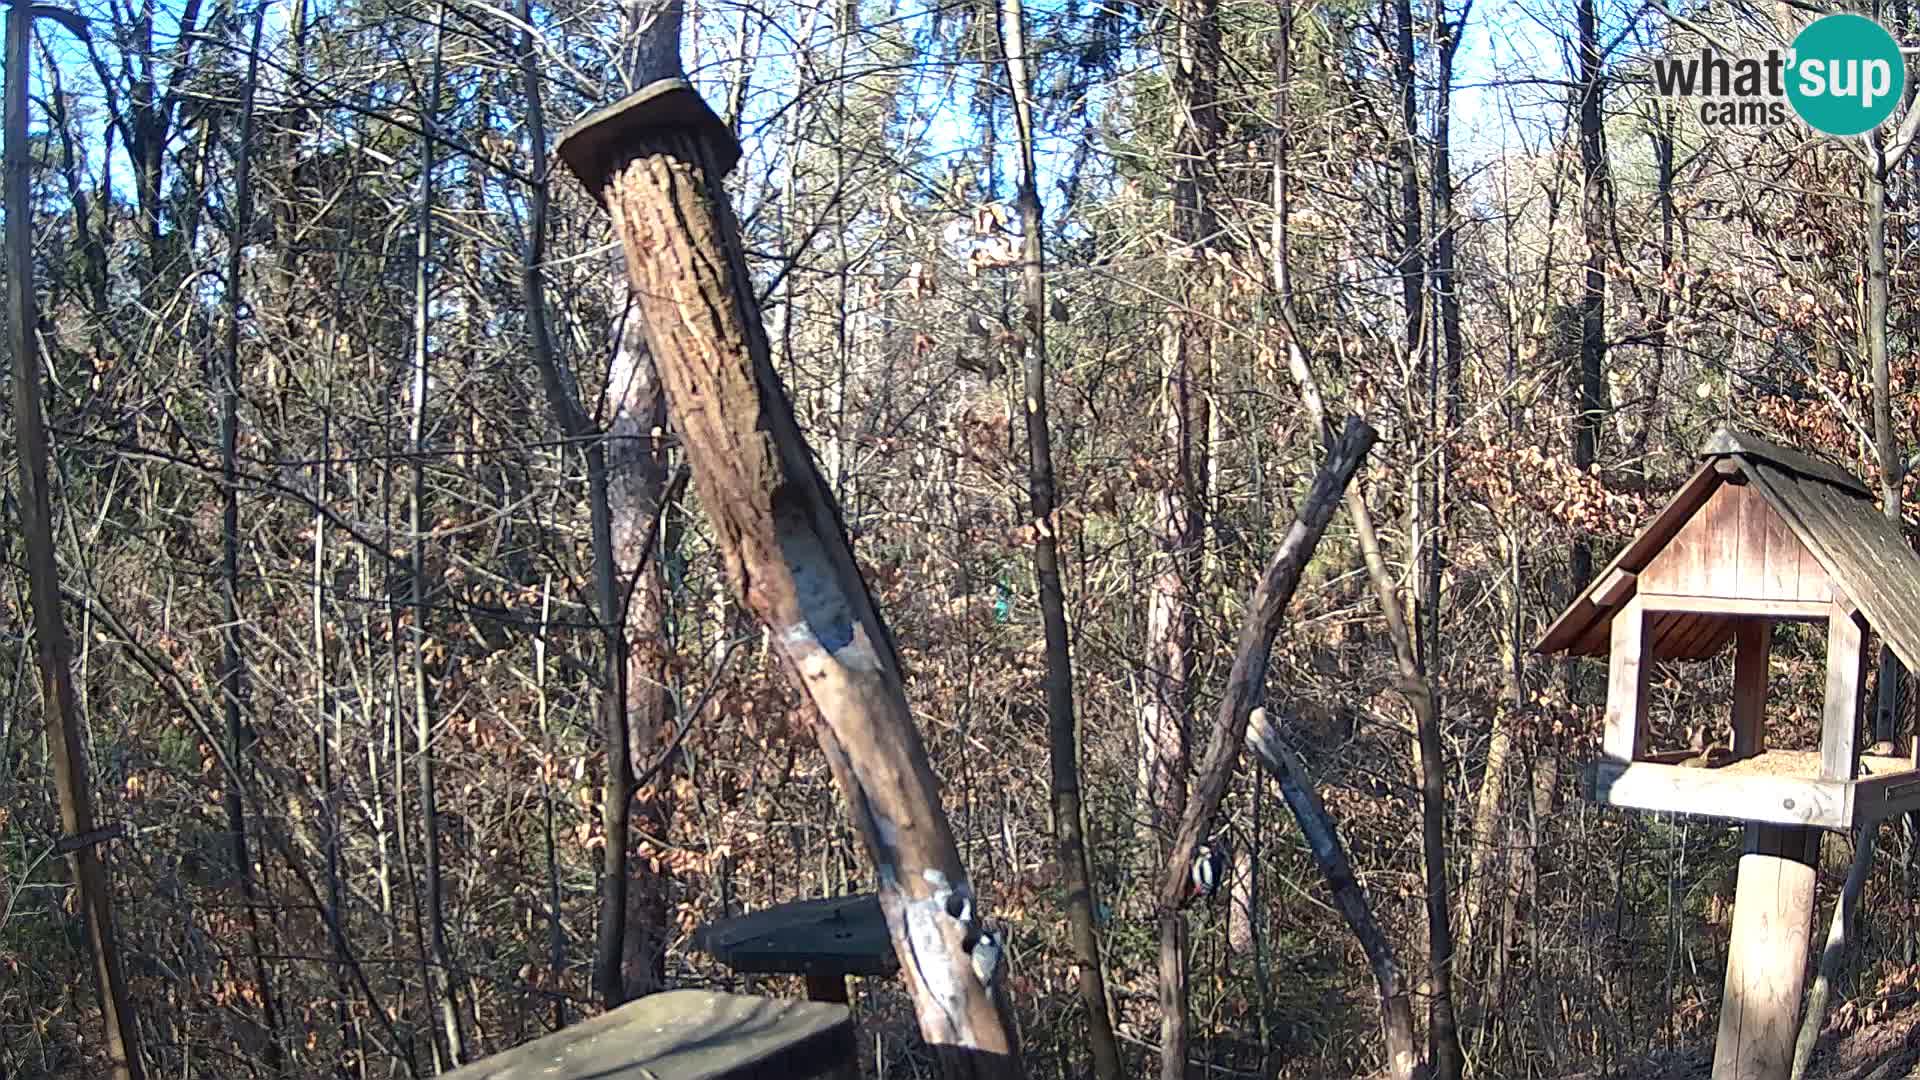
(1208, 871)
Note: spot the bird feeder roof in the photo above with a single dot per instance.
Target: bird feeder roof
(1806, 509)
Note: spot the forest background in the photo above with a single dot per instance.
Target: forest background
(334, 350)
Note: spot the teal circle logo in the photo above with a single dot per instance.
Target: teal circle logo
(1847, 74)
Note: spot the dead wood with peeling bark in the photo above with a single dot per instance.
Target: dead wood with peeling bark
(1323, 839)
(789, 561)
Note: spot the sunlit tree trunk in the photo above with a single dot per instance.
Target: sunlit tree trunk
(1063, 734)
(443, 985)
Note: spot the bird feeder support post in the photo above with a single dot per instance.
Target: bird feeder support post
(1767, 961)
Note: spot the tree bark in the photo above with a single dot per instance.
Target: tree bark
(1245, 690)
(1179, 526)
(1886, 444)
(1063, 732)
(1590, 390)
(241, 731)
(443, 986)
(786, 553)
(636, 471)
(1323, 840)
(1410, 243)
(52, 650)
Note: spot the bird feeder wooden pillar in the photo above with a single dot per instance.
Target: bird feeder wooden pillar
(1759, 535)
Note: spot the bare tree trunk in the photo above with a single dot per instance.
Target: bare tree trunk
(1409, 244)
(636, 501)
(1593, 291)
(326, 734)
(1323, 839)
(52, 650)
(442, 984)
(1166, 717)
(1485, 859)
(1180, 526)
(1412, 683)
(1246, 688)
(1886, 443)
(1241, 935)
(1660, 133)
(1835, 952)
(1063, 732)
(241, 732)
(658, 163)
(626, 489)
(556, 937)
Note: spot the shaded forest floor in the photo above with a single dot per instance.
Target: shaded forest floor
(1888, 1048)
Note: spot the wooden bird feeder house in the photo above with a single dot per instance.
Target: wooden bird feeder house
(1759, 535)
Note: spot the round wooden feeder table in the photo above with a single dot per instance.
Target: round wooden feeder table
(824, 940)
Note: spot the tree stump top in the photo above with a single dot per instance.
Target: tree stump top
(600, 140)
(685, 1035)
(838, 935)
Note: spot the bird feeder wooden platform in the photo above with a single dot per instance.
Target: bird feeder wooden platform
(686, 1035)
(1759, 535)
(825, 940)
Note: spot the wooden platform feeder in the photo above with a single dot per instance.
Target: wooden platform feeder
(1759, 535)
(687, 1035)
(824, 940)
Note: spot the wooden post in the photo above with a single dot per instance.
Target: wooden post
(1753, 640)
(656, 160)
(1627, 664)
(827, 988)
(1846, 671)
(1767, 963)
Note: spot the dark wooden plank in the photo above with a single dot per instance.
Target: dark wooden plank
(1751, 447)
(1719, 635)
(1886, 795)
(1693, 645)
(1593, 641)
(594, 144)
(837, 935)
(1864, 553)
(1754, 641)
(686, 1035)
(1666, 630)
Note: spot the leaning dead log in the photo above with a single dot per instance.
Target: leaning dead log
(1323, 839)
(656, 161)
(1835, 952)
(1246, 688)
